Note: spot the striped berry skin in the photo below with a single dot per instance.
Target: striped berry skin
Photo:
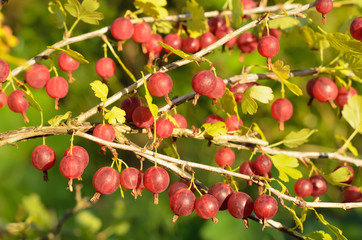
(122, 29)
(265, 207)
(142, 32)
(106, 67)
(160, 84)
(105, 132)
(106, 180)
(37, 76)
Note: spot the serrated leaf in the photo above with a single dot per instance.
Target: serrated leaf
(286, 23)
(55, 121)
(227, 103)
(352, 112)
(116, 115)
(215, 129)
(73, 7)
(248, 105)
(286, 166)
(162, 27)
(179, 53)
(237, 12)
(294, 139)
(350, 147)
(334, 229)
(282, 71)
(100, 90)
(314, 40)
(91, 17)
(298, 222)
(196, 24)
(355, 64)
(318, 235)
(343, 43)
(86, 11)
(57, 9)
(29, 96)
(73, 54)
(261, 93)
(152, 8)
(338, 176)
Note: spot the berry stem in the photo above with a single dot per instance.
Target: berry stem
(45, 176)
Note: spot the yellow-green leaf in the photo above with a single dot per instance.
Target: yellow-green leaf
(294, 139)
(153, 108)
(237, 12)
(282, 71)
(298, 222)
(352, 112)
(227, 103)
(318, 235)
(90, 5)
(338, 176)
(343, 43)
(350, 147)
(215, 129)
(73, 7)
(196, 25)
(116, 115)
(100, 90)
(73, 54)
(314, 40)
(248, 105)
(293, 88)
(56, 8)
(162, 27)
(29, 96)
(261, 93)
(338, 232)
(55, 121)
(179, 53)
(286, 166)
(258, 130)
(152, 8)
(286, 23)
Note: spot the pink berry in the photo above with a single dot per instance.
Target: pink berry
(222, 31)
(106, 180)
(219, 89)
(207, 206)
(247, 42)
(130, 178)
(206, 39)
(224, 157)
(190, 45)
(248, 4)
(246, 168)
(160, 84)
(129, 105)
(215, 23)
(239, 89)
(344, 95)
(142, 117)
(164, 128)
(203, 82)
(105, 68)
(303, 187)
(142, 32)
(324, 7)
(265, 207)
(240, 205)
(79, 152)
(122, 29)
(325, 90)
(17, 103)
(213, 118)
(68, 64)
(233, 123)
(274, 32)
(152, 48)
(281, 110)
(4, 70)
(71, 167)
(43, 158)
(156, 180)
(37, 76)
(268, 46)
(57, 87)
(174, 40)
(3, 99)
(181, 120)
(222, 192)
(105, 132)
(355, 29)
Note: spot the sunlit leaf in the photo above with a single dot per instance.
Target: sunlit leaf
(352, 112)
(287, 23)
(215, 129)
(237, 12)
(258, 130)
(162, 27)
(350, 147)
(318, 235)
(286, 166)
(338, 176)
(261, 93)
(343, 43)
(179, 53)
(196, 25)
(227, 103)
(100, 90)
(298, 222)
(295, 139)
(73, 54)
(73, 7)
(116, 115)
(152, 8)
(334, 229)
(55, 121)
(282, 71)
(248, 105)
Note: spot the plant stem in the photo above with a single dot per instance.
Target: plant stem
(343, 148)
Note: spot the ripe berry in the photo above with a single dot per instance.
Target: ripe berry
(281, 110)
(262, 165)
(151, 48)
(190, 45)
(156, 180)
(240, 205)
(43, 158)
(207, 206)
(265, 207)
(130, 178)
(182, 123)
(352, 194)
(104, 131)
(325, 90)
(248, 4)
(309, 88)
(105, 68)
(219, 89)
(129, 105)
(122, 29)
(224, 157)
(206, 39)
(160, 84)
(213, 118)
(222, 31)
(37, 76)
(174, 40)
(303, 187)
(319, 185)
(4, 70)
(142, 32)
(68, 64)
(355, 29)
(79, 152)
(222, 192)
(140, 185)
(71, 167)
(142, 117)
(105, 181)
(203, 82)
(247, 43)
(17, 103)
(344, 95)
(233, 123)
(274, 32)
(268, 46)
(349, 180)
(3, 99)
(164, 128)
(174, 187)
(57, 87)
(246, 168)
(182, 203)
(324, 7)
(215, 23)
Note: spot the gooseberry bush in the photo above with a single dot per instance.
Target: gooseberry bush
(268, 142)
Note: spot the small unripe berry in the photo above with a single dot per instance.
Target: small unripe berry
(37, 76)
(57, 87)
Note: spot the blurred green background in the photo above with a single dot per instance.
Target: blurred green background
(25, 197)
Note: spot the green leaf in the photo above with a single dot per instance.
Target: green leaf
(355, 64)
(73, 54)
(261, 93)
(286, 166)
(352, 112)
(294, 139)
(37, 212)
(298, 222)
(215, 129)
(179, 53)
(29, 96)
(196, 24)
(153, 107)
(248, 105)
(350, 147)
(237, 12)
(338, 176)
(88, 221)
(116, 115)
(318, 235)
(57, 9)
(100, 90)
(314, 40)
(286, 23)
(55, 121)
(227, 103)
(86, 11)
(162, 27)
(344, 44)
(152, 8)
(90, 5)
(282, 71)
(334, 229)
(73, 7)
(293, 88)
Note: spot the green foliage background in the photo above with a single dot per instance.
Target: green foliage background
(25, 197)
